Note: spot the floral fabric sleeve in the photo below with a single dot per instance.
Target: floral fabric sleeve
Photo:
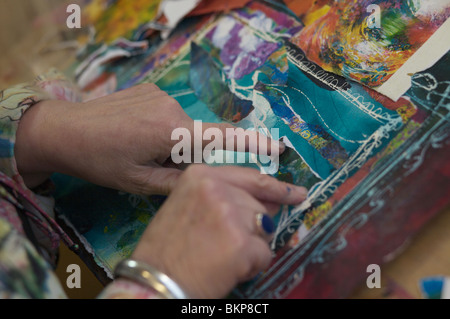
(29, 236)
(26, 265)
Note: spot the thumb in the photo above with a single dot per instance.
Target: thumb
(158, 180)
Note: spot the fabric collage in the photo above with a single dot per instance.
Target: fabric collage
(309, 72)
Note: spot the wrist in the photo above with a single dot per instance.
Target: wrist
(36, 138)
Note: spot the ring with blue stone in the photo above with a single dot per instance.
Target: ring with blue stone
(265, 225)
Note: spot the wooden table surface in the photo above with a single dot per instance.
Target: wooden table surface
(35, 49)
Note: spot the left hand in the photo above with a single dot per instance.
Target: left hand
(121, 141)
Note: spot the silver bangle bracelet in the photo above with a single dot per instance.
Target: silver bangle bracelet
(146, 275)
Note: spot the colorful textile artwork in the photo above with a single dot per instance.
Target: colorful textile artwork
(259, 67)
(120, 20)
(269, 74)
(343, 36)
(123, 29)
(373, 211)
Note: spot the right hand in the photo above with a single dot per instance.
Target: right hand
(205, 236)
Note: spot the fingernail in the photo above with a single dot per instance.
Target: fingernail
(302, 191)
(282, 146)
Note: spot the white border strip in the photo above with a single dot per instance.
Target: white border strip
(427, 55)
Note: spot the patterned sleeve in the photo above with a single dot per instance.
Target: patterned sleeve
(16, 100)
(27, 262)
(23, 271)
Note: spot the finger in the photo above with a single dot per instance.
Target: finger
(250, 204)
(247, 210)
(263, 187)
(237, 139)
(158, 180)
(245, 206)
(271, 208)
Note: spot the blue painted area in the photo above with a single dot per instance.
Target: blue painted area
(431, 287)
(336, 114)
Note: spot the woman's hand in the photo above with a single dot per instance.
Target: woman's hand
(205, 235)
(122, 141)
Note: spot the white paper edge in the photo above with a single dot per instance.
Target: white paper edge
(427, 55)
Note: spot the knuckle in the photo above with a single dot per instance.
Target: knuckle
(175, 117)
(227, 218)
(207, 191)
(245, 265)
(264, 181)
(238, 242)
(266, 257)
(173, 123)
(226, 209)
(170, 101)
(148, 86)
(271, 188)
(246, 268)
(206, 186)
(196, 171)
